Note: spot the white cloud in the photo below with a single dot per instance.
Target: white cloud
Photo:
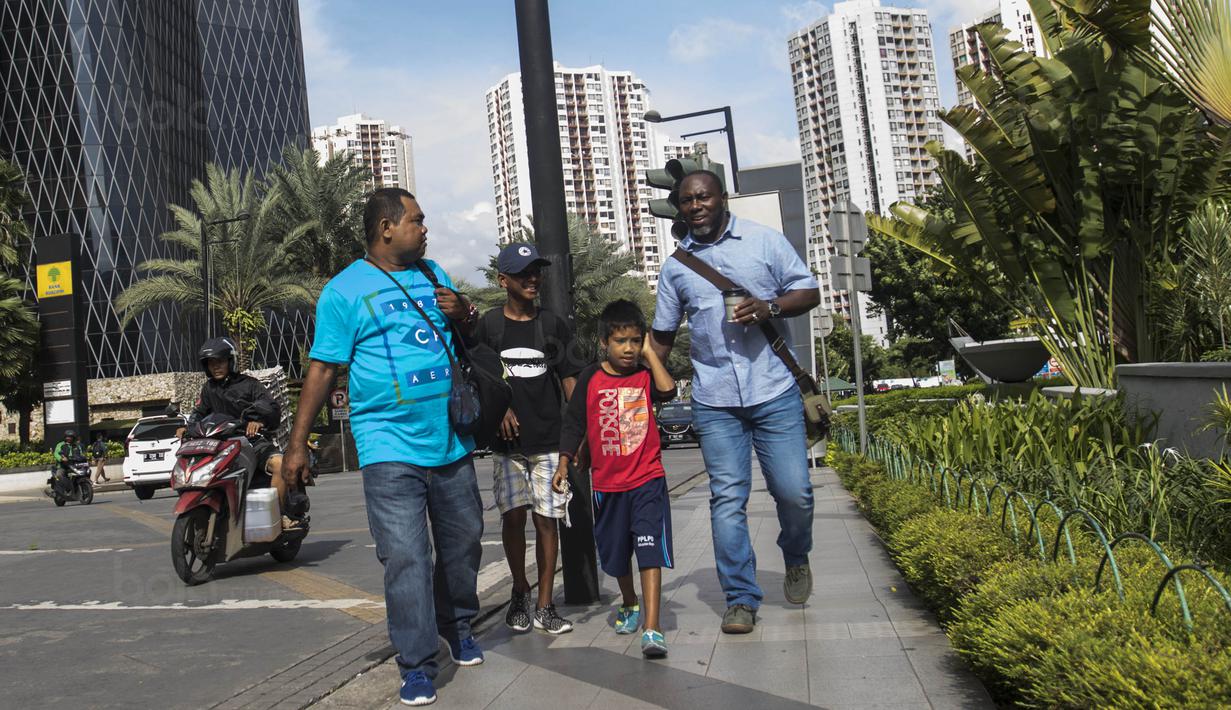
(805, 13)
(446, 116)
(717, 36)
(762, 148)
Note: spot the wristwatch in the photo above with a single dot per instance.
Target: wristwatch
(775, 310)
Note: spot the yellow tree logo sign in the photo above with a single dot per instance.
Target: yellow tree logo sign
(55, 279)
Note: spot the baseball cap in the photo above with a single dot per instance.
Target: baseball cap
(516, 258)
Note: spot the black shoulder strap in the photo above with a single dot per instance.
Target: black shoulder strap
(431, 277)
(776, 342)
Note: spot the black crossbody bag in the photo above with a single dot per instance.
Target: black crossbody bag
(816, 404)
(479, 396)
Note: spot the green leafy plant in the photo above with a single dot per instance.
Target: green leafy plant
(1218, 416)
(1090, 162)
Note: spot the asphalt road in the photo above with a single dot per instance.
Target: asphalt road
(93, 614)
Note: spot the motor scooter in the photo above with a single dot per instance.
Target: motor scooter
(219, 517)
(76, 487)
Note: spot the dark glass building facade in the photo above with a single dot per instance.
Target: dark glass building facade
(112, 108)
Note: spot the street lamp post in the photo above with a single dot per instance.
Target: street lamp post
(205, 282)
(729, 128)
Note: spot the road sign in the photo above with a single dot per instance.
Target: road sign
(340, 415)
(825, 324)
(338, 399)
(840, 273)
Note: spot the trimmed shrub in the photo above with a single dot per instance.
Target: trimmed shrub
(945, 553)
(888, 504)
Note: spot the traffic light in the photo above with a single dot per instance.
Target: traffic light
(669, 178)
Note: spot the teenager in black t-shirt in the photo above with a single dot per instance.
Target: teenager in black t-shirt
(534, 346)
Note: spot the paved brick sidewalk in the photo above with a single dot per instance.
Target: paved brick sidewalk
(863, 641)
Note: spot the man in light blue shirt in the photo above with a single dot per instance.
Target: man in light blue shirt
(415, 466)
(744, 396)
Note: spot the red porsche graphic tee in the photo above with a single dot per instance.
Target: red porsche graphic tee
(614, 415)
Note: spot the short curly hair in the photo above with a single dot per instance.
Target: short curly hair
(621, 314)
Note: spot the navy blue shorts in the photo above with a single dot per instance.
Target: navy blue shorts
(636, 521)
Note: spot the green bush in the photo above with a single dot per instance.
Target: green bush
(11, 456)
(1079, 649)
(22, 459)
(945, 553)
(889, 504)
(1037, 632)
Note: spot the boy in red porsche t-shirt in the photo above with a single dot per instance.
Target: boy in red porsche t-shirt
(612, 411)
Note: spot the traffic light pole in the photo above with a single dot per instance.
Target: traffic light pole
(538, 79)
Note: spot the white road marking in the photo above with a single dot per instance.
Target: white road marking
(485, 543)
(70, 552)
(224, 605)
(494, 573)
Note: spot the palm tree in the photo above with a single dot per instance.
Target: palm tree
(14, 232)
(1189, 41)
(320, 209)
(250, 268)
(19, 327)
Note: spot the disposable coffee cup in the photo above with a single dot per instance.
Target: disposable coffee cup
(731, 298)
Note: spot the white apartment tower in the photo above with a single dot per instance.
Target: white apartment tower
(385, 150)
(605, 149)
(866, 100)
(967, 47)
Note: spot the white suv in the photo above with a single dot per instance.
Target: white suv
(150, 454)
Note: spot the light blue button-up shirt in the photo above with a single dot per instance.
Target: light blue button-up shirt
(733, 364)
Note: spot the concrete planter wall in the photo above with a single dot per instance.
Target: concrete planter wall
(1179, 392)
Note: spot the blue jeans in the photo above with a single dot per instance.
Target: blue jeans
(728, 434)
(422, 598)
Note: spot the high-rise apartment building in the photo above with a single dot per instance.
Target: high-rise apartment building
(866, 99)
(386, 150)
(967, 47)
(111, 108)
(605, 148)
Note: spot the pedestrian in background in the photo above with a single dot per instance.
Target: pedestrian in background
(98, 457)
(534, 348)
(415, 466)
(743, 395)
(613, 415)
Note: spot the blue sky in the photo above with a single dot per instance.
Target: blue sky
(426, 66)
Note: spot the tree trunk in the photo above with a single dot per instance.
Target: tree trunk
(243, 354)
(23, 427)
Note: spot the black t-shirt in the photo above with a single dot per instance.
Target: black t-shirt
(536, 355)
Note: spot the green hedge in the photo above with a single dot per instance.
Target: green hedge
(1036, 632)
(13, 457)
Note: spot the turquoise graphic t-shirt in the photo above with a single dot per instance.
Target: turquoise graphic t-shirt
(400, 375)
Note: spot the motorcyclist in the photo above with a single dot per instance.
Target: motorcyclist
(243, 397)
(65, 453)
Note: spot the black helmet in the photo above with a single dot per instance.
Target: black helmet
(69, 433)
(216, 348)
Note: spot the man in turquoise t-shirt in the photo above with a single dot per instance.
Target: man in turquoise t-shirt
(415, 466)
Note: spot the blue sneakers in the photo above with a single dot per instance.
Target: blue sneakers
(628, 619)
(417, 689)
(653, 645)
(465, 652)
